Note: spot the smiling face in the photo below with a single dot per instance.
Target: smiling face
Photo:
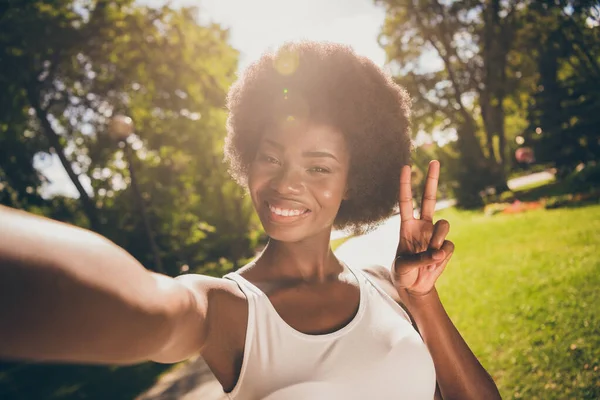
(298, 179)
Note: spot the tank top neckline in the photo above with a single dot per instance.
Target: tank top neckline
(315, 337)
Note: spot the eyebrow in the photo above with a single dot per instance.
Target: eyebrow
(319, 154)
(313, 154)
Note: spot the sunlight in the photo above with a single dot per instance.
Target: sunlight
(259, 25)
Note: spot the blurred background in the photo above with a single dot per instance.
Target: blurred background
(112, 118)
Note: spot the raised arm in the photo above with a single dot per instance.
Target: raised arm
(422, 255)
(68, 294)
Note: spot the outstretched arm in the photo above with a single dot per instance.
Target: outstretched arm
(68, 294)
(422, 255)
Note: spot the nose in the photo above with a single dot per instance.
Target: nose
(287, 181)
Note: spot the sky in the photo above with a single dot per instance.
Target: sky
(259, 25)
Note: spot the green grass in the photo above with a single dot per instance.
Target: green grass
(523, 291)
(537, 191)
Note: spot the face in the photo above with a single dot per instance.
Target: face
(297, 180)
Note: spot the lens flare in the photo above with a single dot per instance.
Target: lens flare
(292, 110)
(286, 62)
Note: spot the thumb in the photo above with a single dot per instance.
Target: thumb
(404, 263)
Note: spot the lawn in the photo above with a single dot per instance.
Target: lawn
(523, 291)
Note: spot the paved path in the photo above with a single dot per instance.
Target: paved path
(195, 381)
(516, 183)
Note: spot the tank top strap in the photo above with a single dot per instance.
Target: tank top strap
(249, 290)
(260, 310)
(253, 298)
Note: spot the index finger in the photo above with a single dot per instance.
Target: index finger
(429, 194)
(405, 199)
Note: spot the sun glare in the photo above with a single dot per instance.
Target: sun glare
(261, 25)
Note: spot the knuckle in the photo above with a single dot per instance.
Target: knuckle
(400, 264)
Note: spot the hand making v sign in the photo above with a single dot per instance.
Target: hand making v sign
(423, 251)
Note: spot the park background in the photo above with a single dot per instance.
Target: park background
(501, 90)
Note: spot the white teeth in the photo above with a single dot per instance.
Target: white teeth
(286, 212)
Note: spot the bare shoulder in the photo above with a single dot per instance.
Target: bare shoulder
(213, 304)
(218, 293)
(227, 319)
(226, 304)
(210, 285)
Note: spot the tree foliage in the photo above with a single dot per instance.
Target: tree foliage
(472, 68)
(68, 66)
(453, 58)
(563, 109)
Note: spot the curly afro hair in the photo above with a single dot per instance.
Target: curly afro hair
(327, 83)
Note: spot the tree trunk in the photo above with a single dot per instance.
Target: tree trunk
(87, 204)
(474, 174)
(484, 104)
(497, 34)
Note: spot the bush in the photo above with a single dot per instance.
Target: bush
(495, 208)
(506, 197)
(585, 179)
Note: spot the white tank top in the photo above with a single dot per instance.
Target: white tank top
(378, 355)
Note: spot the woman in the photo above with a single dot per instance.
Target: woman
(320, 138)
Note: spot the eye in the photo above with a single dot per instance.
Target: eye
(319, 170)
(268, 159)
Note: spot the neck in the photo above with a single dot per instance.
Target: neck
(310, 260)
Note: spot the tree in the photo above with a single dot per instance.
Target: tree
(23, 58)
(467, 92)
(70, 65)
(563, 110)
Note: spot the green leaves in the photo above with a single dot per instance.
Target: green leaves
(562, 110)
(476, 67)
(82, 62)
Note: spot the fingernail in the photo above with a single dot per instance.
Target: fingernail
(438, 255)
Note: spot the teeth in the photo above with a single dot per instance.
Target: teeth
(285, 212)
